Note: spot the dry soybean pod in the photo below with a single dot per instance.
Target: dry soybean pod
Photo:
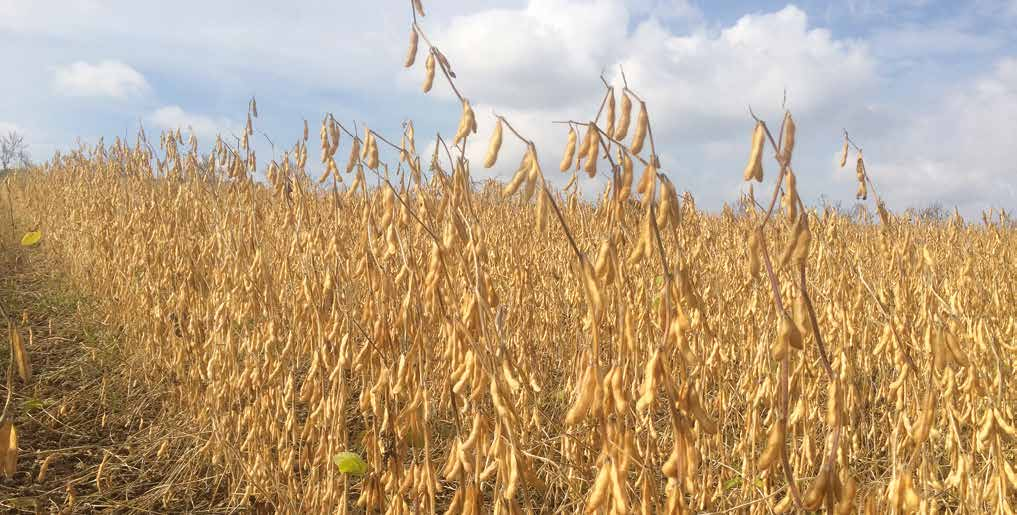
(622, 127)
(429, 72)
(642, 126)
(411, 53)
(570, 150)
(494, 147)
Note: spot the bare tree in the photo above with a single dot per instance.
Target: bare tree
(13, 151)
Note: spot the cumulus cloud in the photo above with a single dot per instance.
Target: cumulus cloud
(960, 151)
(109, 78)
(540, 56)
(542, 62)
(853, 65)
(714, 76)
(205, 127)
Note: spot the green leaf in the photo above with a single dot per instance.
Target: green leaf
(732, 483)
(350, 463)
(32, 404)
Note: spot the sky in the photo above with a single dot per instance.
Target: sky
(927, 88)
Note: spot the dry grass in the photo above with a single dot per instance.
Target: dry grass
(79, 407)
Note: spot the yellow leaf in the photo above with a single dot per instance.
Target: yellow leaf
(31, 238)
(350, 463)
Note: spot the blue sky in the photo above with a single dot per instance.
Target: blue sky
(928, 88)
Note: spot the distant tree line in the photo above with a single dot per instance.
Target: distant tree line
(13, 152)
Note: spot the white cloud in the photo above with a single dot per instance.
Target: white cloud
(715, 76)
(535, 61)
(105, 79)
(205, 127)
(542, 62)
(958, 152)
(542, 55)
